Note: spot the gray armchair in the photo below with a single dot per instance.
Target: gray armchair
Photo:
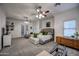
(58, 51)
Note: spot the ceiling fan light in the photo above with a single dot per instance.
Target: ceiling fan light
(38, 10)
(37, 16)
(42, 16)
(43, 12)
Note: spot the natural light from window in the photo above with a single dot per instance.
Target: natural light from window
(69, 27)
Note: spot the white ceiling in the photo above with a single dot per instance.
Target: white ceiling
(21, 10)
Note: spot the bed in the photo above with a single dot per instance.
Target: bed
(46, 38)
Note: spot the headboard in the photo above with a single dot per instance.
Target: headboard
(48, 30)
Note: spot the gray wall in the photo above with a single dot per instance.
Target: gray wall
(2, 23)
(72, 14)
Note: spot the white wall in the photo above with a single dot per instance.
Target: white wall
(2, 22)
(17, 27)
(72, 14)
(51, 20)
(0, 34)
(37, 25)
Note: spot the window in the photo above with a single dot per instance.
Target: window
(69, 28)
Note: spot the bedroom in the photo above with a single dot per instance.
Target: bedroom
(31, 28)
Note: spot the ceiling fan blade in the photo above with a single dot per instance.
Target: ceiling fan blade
(57, 4)
(39, 7)
(47, 11)
(45, 15)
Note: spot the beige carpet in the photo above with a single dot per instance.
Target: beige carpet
(24, 47)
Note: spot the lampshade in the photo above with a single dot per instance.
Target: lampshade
(26, 22)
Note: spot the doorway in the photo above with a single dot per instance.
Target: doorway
(22, 30)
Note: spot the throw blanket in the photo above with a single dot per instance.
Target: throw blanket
(44, 37)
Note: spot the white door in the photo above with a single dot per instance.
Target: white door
(22, 30)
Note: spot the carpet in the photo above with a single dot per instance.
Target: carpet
(24, 47)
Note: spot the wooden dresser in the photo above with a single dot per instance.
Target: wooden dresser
(71, 42)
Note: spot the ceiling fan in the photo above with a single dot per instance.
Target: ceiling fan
(40, 13)
(57, 4)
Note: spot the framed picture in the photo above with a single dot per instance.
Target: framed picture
(48, 24)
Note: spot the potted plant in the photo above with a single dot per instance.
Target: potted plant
(44, 33)
(76, 35)
(35, 35)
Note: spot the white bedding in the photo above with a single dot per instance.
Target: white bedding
(44, 37)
